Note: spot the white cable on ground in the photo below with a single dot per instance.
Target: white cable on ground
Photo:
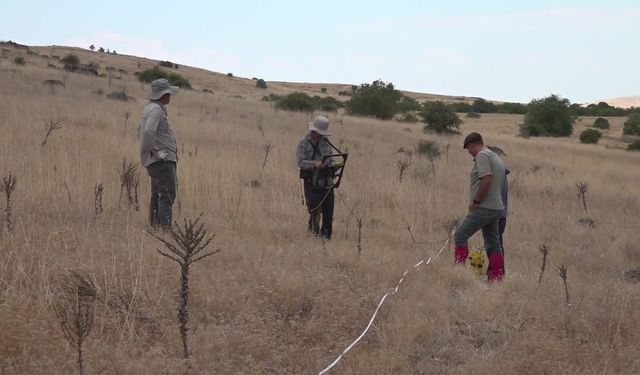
(375, 313)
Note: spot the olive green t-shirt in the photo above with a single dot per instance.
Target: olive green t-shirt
(487, 163)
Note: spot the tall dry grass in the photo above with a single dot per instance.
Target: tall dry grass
(275, 301)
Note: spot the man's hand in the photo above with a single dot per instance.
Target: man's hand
(162, 155)
(319, 165)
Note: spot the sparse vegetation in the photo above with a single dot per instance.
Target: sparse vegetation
(19, 60)
(274, 301)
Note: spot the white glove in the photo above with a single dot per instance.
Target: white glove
(162, 155)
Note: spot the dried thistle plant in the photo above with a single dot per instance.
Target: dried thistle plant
(7, 188)
(267, 146)
(129, 181)
(359, 221)
(187, 248)
(74, 308)
(66, 188)
(562, 272)
(402, 165)
(98, 192)
(544, 250)
(582, 193)
(52, 125)
(126, 118)
(411, 234)
(449, 228)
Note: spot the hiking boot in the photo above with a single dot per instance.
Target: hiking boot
(461, 254)
(495, 272)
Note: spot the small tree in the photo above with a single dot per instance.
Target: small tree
(261, 84)
(101, 49)
(379, 99)
(632, 125)
(601, 123)
(92, 47)
(550, 116)
(440, 118)
(590, 136)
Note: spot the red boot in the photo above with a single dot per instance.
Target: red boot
(461, 254)
(495, 272)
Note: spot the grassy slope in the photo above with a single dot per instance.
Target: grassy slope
(274, 301)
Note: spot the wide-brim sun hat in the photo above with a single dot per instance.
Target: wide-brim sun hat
(320, 125)
(160, 87)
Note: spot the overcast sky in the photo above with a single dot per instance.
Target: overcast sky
(502, 50)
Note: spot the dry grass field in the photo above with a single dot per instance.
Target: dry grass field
(274, 300)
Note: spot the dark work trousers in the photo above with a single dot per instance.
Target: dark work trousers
(163, 192)
(320, 204)
(502, 224)
(480, 219)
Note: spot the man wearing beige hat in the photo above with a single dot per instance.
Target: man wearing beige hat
(317, 176)
(158, 153)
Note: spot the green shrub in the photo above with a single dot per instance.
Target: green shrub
(483, 106)
(379, 99)
(548, 116)
(408, 104)
(590, 136)
(472, 114)
(150, 75)
(19, 60)
(323, 90)
(512, 108)
(460, 107)
(601, 123)
(440, 118)
(297, 101)
(327, 103)
(261, 84)
(167, 64)
(632, 125)
(634, 146)
(71, 62)
(229, 74)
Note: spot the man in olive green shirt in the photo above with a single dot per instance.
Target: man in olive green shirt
(485, 206)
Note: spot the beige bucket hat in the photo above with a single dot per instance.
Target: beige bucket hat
(160, 87)
(320, 125)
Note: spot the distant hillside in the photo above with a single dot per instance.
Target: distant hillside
(201, 79)
(625, 102)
